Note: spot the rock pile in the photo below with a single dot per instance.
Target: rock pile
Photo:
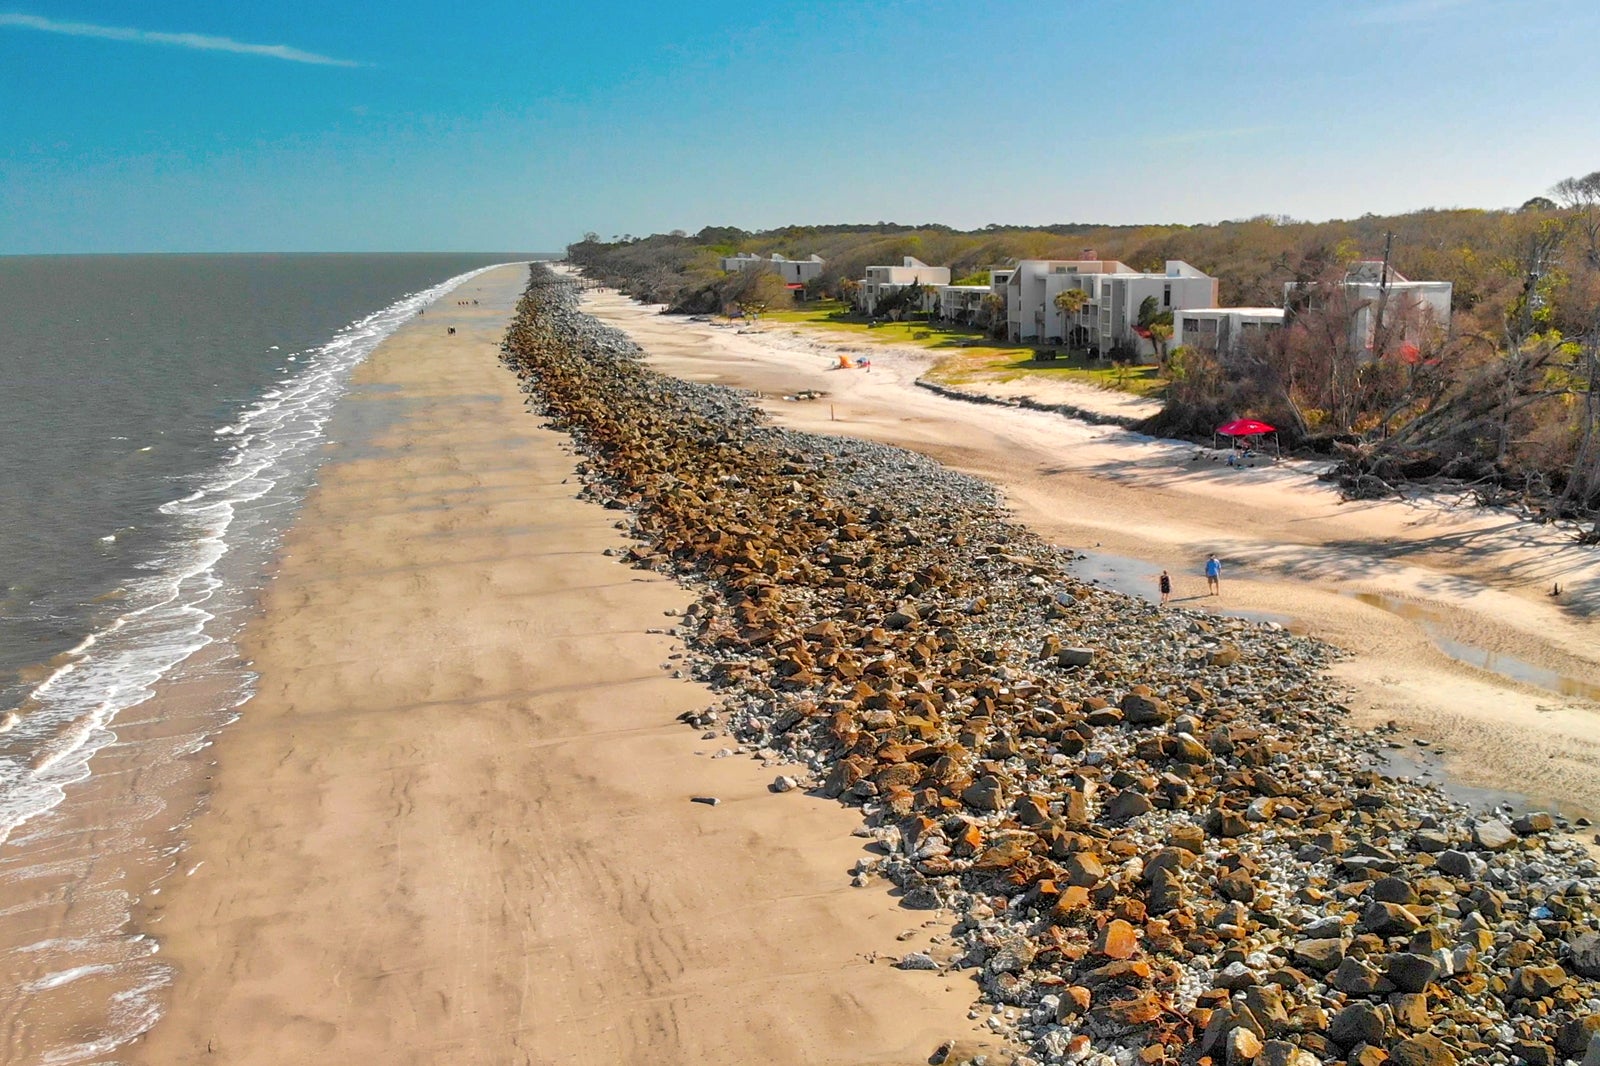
(1156, 836)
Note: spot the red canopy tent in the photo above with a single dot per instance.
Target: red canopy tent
(1247, 427)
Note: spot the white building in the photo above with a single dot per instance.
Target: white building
(882, 280)
(1114, 293)
(964, 304)
(792, 271)
(1223, 329)
(961, 303)
(1367, 287)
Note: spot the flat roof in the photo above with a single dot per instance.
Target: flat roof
(1265, 311)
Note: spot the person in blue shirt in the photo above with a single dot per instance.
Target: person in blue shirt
(1213, 573)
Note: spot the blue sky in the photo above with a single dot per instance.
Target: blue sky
(187, 126)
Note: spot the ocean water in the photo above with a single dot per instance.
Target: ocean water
(160, 419)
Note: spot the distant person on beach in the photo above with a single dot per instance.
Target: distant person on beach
(1166, 587)
(1213, 573)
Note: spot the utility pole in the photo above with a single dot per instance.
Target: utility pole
(1377, 340)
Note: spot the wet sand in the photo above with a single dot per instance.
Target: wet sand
(1290, 547)
(455, 824)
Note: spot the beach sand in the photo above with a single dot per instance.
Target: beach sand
(1348, 572)
(455, 824)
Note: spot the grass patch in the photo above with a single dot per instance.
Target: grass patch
(1014, 364)
(967, 356)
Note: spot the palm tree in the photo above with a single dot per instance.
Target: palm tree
(1069, 302)
(994, 305)
(1160, 334)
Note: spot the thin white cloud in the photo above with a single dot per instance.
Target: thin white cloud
(1397, 11)
(198, 41)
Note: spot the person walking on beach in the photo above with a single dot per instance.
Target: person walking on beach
(1213, 573)
(1166, 587)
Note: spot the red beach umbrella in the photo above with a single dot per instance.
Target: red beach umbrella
(1245, 427)
(1248, 427)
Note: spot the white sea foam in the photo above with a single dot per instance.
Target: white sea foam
(62, 977)
(178, 606)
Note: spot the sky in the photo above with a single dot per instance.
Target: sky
(165, 126)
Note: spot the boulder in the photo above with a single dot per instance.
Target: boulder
(904, 616)
(1320, 955)
(1534, 982)
(1359, 1023)
(1145, 710)
(1412, 973)
(1454, 863)
(1189, 837)
(917, 960)
(1124, 1014)
(1586, 955)
(1388, 919)
(1084, 870)
(1225, 655)
(987, 793)
(1423, 1050)
(1283, 1053)
(1128, 804)
(1394, 890)
(1573, 1037)
(1075, 656)
(1243, 1047)
(1166, 891)
(1492, 835)
(1355, 978)
(1116, 940)
(1533, 822)
(1410, 1010)
(1013, 955)
(1431, 841)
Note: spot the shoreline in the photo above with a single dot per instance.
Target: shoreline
(120, 753)
(1290, 546)
(455, 821)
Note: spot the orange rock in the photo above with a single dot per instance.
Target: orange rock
(1074, 900)
(1006, 853)
(1139, 1010)
(1117, 940)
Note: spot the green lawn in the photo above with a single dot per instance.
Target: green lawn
(969, 356)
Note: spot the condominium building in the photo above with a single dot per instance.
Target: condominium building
(1371, 285)
(882, 280)
(792, 271)
(965, 304)
(1113, 296)
(1225, 330)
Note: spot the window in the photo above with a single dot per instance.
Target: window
(1190, 325)
(1166, 295)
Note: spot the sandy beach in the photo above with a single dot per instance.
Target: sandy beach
(456, 823)
(1396, 584)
